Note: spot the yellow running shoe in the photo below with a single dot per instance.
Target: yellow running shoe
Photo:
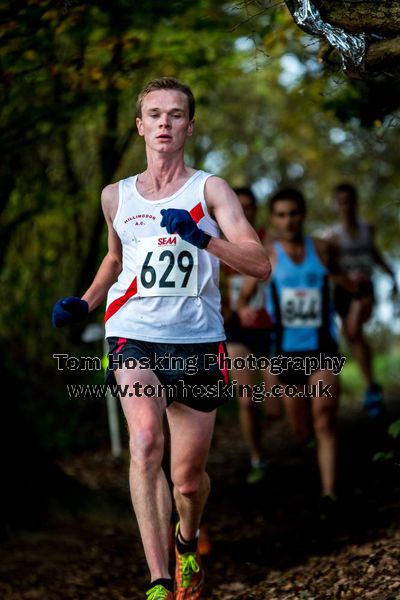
(189, 574)
(159, 592)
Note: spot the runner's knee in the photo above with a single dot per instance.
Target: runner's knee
(188, 479)
(146, 448)
(353, 333)
(324, 422)
(246, 403)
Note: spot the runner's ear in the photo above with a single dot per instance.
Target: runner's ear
(139, 126)
(190, 128)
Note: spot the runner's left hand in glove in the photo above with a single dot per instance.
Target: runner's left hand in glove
(177, 220)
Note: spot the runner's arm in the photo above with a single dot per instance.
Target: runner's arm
(327, 252)
(247, 291)
(111, 265)
(242, 249)
(250, 283)
(380, 260)
(247, 314)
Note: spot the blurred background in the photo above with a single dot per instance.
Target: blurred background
(270, 112)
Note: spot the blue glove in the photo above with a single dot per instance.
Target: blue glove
(177, 220)
(69, 310)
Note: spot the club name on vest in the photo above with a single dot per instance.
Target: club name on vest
(136, 217)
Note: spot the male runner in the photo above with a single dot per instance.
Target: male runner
(354, 239)
(247, 332)
(161, 277)
(303, 324)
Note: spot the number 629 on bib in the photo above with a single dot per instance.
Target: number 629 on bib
(166, 266)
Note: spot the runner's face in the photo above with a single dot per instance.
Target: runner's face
(346, 204)
(165, 121)
(287, 219)
(248, 207)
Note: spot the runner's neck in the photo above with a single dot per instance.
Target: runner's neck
(295, 249)
(350, 223)
(163, 178)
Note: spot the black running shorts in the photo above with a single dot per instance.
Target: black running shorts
(342, 298)
(256, 340)
(192, 374)
(293, 376)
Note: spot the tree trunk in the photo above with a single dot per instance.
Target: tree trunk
(358, 16)
(381, 17)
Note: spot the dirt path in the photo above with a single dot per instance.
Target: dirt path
(267, 539)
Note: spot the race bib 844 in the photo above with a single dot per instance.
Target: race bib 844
(301, 307)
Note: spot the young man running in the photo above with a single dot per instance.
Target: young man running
(160, 276)
(304, 330)
(248, 332)
(358, 253)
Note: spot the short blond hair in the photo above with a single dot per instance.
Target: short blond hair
(166, 83)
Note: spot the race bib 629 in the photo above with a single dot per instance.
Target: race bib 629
(166, 266)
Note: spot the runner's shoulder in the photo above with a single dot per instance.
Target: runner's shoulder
(216, 187)
(331, 233)
(324, 247)
(109, 200)
(321, 243)
(110, 193)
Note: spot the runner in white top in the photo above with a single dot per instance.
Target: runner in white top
(174, 279)
(358, 254)
(189, 271)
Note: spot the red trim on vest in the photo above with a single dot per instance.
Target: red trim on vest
(119, 302)
(197, 212)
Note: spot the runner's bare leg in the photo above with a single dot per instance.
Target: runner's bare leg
(151, 497)
(191, 433)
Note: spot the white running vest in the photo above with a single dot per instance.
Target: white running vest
(356, 254)
(168, 290)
